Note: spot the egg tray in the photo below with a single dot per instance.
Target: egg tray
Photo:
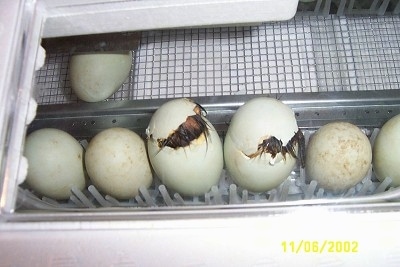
(368, 110)
(293, 189)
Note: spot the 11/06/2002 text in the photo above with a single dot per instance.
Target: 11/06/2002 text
(322, 246)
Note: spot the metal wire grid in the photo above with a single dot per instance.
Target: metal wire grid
(305, 54)
(275, 58)
(376, 53)
(349, 7)
(354, 54)
(52, 82)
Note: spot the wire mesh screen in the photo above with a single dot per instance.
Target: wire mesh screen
(357, 53)
(349, 7)
(305, 54)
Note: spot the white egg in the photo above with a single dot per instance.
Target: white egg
(386, 151)
(117, 164)
(257, 120)
(192, 168)
(339, 156)
(96, 76)
(55, 161)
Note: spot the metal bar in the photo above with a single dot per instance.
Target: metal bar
(396, 10)
(369, 109)
(383, 7)
(341, 8)
(92, 43)
(327, 7)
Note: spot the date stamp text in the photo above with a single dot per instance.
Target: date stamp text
(319, 246)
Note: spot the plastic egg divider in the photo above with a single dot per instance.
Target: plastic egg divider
(295, 187)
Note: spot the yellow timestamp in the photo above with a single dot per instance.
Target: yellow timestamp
(321, 246)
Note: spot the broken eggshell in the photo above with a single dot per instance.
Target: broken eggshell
(268, 121)
(184, 148)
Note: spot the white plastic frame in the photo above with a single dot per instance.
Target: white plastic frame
(99, 16)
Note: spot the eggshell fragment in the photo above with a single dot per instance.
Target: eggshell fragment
(339, 156)
(191, 170)
(256, 120)
(55, 161)
(117, 163)
(96, 76)
(386, 151)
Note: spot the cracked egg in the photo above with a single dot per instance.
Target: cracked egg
(261, 144)
(184, 148)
